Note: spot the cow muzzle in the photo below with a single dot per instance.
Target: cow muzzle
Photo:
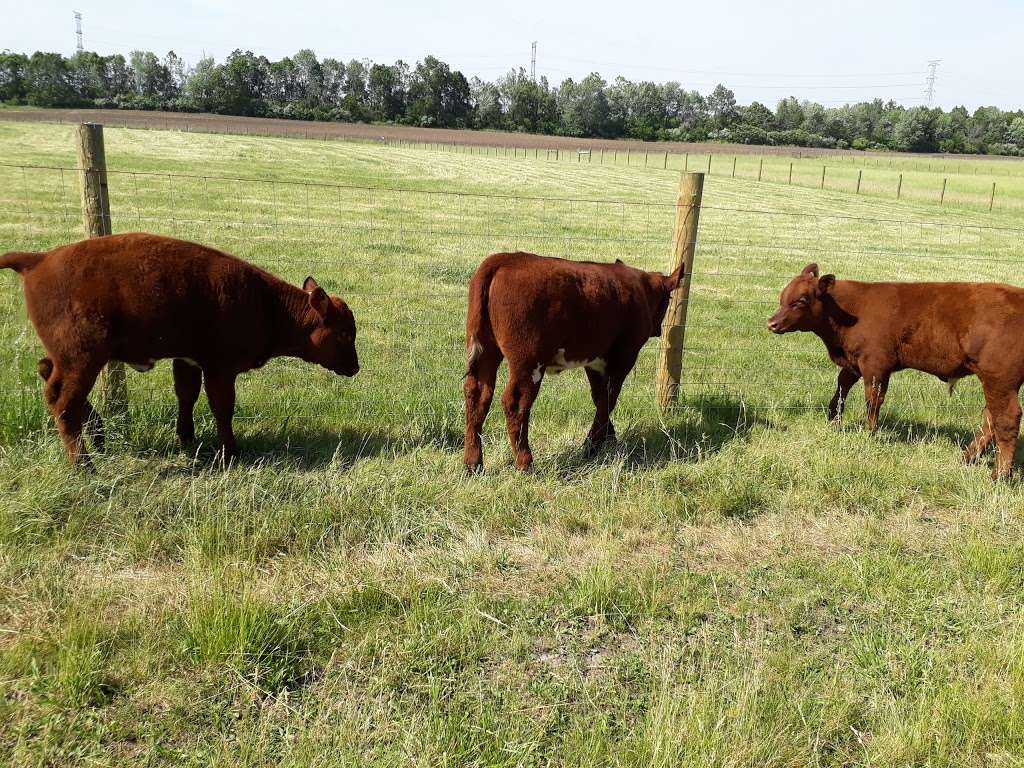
(776, 325)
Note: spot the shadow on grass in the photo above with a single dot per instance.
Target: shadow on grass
(695, 430)
(311, 447)
(913, 431)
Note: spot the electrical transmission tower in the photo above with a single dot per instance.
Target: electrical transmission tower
(78, 32)
(533, 61)
(929, 89)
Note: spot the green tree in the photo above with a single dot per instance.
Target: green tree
(584, 107)
(438, 96)
(49, 82)
(386, 91)
(12, 76)
(722, 106)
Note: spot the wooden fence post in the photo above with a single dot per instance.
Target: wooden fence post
(664, 165)
(734, 166)
(790, 171)
(92, 164)
(899, 187)
(684, 243)
(860, 173)
(686, 162)
(942, 195)
(709, 163)
(760, 169)
(823, 177)
(992, 198)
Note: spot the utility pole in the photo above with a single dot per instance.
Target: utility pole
(78, 32)
(929, 90)
(533, 61)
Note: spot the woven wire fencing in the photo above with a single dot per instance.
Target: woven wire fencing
(744, 259)
(402, 259)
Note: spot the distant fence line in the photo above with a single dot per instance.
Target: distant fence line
(641, 155)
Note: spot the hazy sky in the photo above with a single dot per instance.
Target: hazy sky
(826, 50)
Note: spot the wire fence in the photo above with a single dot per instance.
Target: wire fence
(402, 258)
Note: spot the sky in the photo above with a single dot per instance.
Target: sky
(825, 50)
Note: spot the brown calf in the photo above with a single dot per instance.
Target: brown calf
(546, 314)
(139, 298)
(950, 330)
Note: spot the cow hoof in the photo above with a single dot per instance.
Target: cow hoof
(525, 464)
(593, 447)
(474, 469)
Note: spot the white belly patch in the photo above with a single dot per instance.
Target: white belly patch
(559, 363)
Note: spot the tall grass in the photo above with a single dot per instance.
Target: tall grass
(737, 583)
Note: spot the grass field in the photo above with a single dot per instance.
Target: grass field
(737, 584)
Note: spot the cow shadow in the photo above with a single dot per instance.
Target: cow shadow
(696, 430)
(307, 447)
(913, 431)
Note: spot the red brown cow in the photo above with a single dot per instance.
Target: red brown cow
(139, 298)
(950, 330)
(547, 315)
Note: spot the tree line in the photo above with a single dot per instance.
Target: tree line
(431, 94)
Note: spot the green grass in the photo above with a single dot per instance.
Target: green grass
(738, 584)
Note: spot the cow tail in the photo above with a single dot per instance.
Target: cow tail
(478, 322)
(19, 261)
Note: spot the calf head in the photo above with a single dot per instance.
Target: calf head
(802, 303)
(332, 341)
(660, 287)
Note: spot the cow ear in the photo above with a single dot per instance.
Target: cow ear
(319, 301)
(309, 284)
(671, 282)
(825, 284)
(810, 269)
(619, 261)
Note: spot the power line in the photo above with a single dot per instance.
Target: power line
(929, 91)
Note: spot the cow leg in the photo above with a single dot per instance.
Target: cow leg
(479, 391)
(981, 441)
(875, 386)
(847, 378)
(67, 394)
(93, 423)
(220, 391)
(604, 389)
(517, 400)
(1004, 407)
(188, 380)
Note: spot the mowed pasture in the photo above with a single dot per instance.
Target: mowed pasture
(737, 583)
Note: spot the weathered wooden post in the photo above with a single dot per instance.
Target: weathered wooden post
(664, 164)
(734, 166)
(899, 187)
(942, 194)
(860, 173)
(992, 198)
(823, 177)
(92, 164)
(684, 243)
(760, 169)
